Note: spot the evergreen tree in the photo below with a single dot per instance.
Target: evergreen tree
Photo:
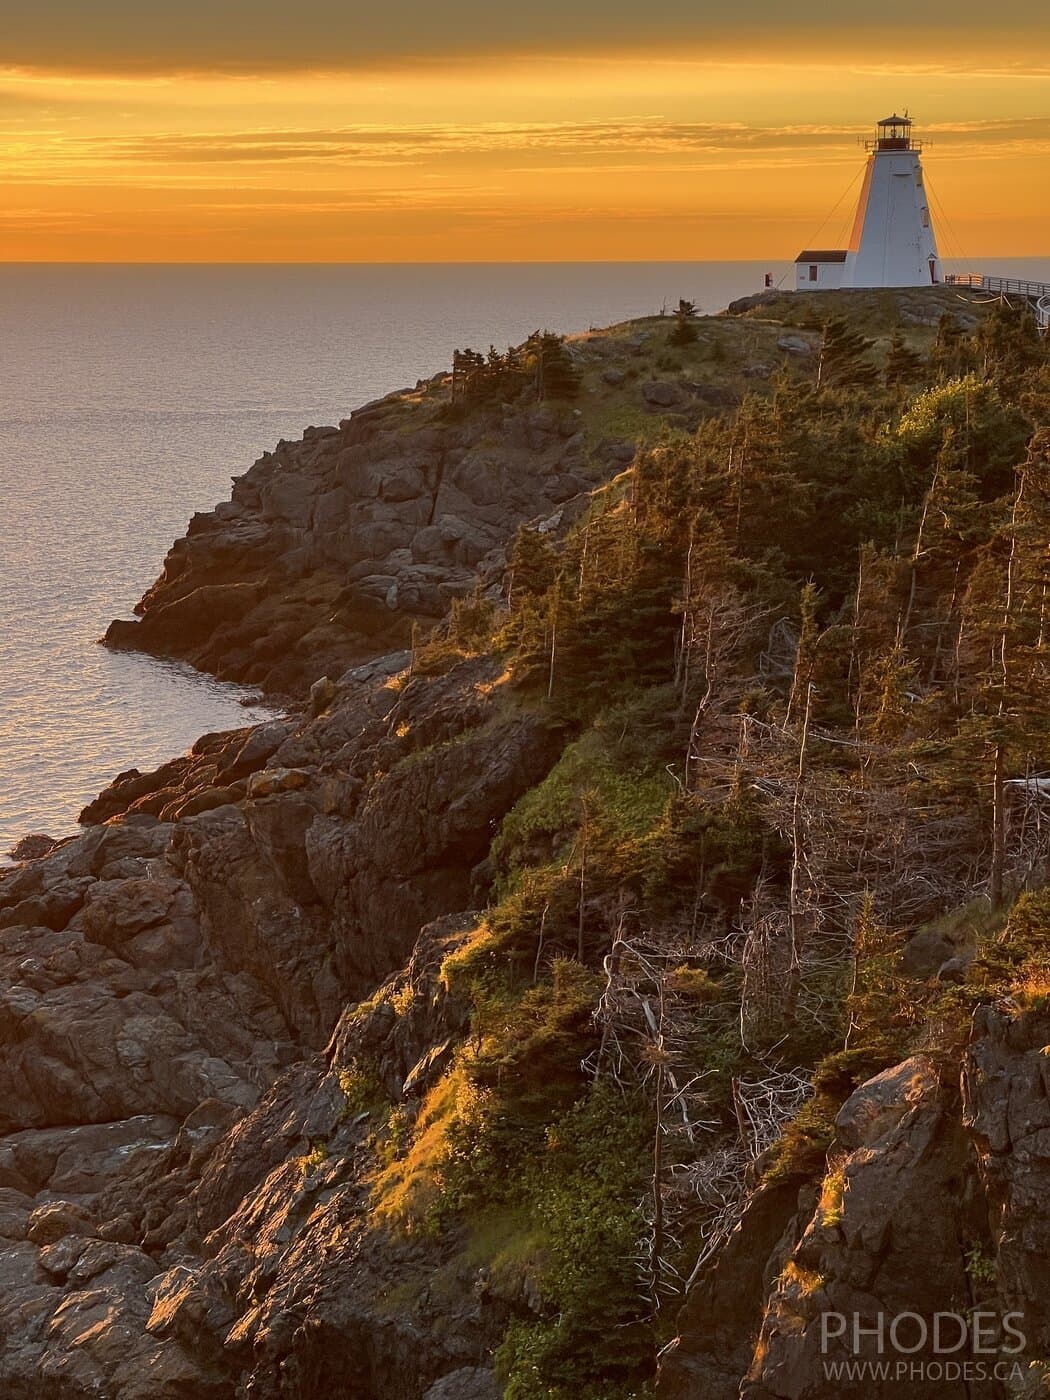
(533, 562)
(903, 364)
(990, 434)
(842, 362)
(466, 366)
(1007, 343)
(1003, 673)
(553, 370)
(684, 331)
(953, 353)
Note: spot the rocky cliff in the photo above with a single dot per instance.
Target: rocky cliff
(169, 990)
(292, 1033)
(330, 549)
(934, 1203)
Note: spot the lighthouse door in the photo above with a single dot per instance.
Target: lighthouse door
(933, 271)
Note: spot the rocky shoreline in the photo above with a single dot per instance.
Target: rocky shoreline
(169, 986)
(333, 548)
(349, 542)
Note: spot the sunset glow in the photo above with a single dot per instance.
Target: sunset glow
(740, 148)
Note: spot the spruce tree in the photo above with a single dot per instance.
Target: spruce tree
(554, 372)
(1004, 670)
(533, 564)
(1008, 343)
(903, 364)
(684, 331)
(842, 361)
(953, 354)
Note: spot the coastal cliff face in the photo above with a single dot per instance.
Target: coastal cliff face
(169, 988)
(935, 1204)
(331, 549)
(328, 1051)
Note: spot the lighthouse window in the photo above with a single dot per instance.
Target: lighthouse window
(925, 217)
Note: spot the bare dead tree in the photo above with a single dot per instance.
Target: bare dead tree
(717, 630)
(652, 1032)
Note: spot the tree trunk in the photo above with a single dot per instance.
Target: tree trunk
(580, 928)
(797, 914)
(995, 889)
(658, 1176)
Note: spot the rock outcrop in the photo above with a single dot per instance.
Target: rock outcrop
(934, 1203)
(337, 547)
(168, 981)
(331, 549)
(186, 1154)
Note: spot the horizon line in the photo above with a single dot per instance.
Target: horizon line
(448, 262)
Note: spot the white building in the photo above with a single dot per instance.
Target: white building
(819, 269)
(893, 243)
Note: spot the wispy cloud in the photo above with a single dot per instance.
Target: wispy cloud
(362, 146)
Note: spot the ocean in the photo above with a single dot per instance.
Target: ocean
(129, 395)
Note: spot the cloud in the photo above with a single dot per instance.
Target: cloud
(331, 35)
(649, 138)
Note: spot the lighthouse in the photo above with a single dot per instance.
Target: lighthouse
(893, 243)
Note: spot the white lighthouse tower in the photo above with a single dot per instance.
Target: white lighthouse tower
(893, 242)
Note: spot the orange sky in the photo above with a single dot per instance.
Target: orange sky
(665, 149)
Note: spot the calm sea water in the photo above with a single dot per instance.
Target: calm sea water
(130, 395)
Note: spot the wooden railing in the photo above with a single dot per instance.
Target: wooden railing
(1038, 293)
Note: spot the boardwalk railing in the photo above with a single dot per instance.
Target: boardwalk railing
(1038, 293)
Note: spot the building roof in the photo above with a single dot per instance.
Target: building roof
(822, 255)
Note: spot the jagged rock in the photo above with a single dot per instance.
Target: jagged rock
(81, 1161)
(921, 1182)
(879, 1105)
(175, 1016)
(758, 299)
(58, 1257)
(51, 908)
(15, 1210)
(409, 1048)
(274, 780)
(322, 693)
(33, 846)
(889, 1231)
(722, 1315)
(468, 1383)
(660, 393)
(715, 395)
(56, 1220)
(795, 345)
(262, 743)
(1006, 1110)
(331, 549)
